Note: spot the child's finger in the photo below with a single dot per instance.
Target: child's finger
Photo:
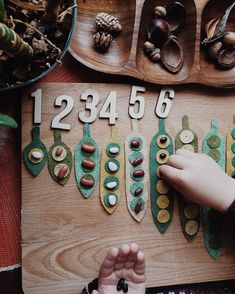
(123, 253)
(140, 264)
(177, 161)
(109, 262)
(94, 292)
(185, 152)
(170, 174)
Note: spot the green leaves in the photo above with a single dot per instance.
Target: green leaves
(7, 120)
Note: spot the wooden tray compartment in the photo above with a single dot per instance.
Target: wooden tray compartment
(155, 72)
(126, 56)
(210, 71)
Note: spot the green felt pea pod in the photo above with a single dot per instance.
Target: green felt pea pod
(87, 158)
(137, 176)
(189, 213)
(230, 151)
(162, 195)
(59, 160)
(112, 173)
(35, 153)
(214, 146)
(7, 121)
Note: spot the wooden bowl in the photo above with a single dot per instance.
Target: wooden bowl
(126, 55)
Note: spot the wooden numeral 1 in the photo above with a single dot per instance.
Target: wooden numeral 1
(37, 115)
(163, 106)
(109, 108)
(136, 99)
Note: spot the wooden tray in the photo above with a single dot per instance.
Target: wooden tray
(126, 56)
(65, 236)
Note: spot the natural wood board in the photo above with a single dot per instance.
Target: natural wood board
(126, 55)
(65, 237)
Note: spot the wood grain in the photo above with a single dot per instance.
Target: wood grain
(65, 237)
(126, 55)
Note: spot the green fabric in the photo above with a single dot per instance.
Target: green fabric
(209, 225)
(35, 168)
(181, 201)
(79, 156)
(110, 146)
(135, 186)
(109, 179)
(135, 155)
(135, 201)
(154, 148)
(106, 199)
(112, 161)
(67, 160)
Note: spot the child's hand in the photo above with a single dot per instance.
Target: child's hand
(200, 179)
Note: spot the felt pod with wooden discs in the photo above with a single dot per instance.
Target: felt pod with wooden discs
(59, 160)
(87, 158)
(214, 146)
(230, 151)
(35, 153)
(189, 213)
(161, 193)
(112, 173)
(136, 173)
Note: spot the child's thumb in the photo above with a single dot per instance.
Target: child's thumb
(94, 292)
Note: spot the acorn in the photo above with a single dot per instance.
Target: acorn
(229, 39)
(226, 58)
(148, 47)
(214, 50)
(155, 55)
(159, 11)
(158, 31)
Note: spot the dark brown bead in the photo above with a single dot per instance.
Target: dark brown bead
(125, 288)
(138, 191)
(137, 161)
(162, 155)
(138, 207)
(120, 284)
(163, 140)
(135, 143)
(138, 173)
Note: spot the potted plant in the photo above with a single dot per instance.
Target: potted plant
(34, 36)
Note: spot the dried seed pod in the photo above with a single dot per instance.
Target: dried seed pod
(214, 50)
(211, 26)
(229, 39)
(160, 11)
(107, 23)
(176, 16)
(148, 47)
(158, 31)
(102, 41)
(156, 55)
(226, 58)
(172, 55)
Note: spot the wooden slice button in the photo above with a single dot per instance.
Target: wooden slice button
(186, 136)
(163, 141)
(158, 172)
(162, 156)
(215, 154)
(163, 201)
(162, 187)
(233, 148)
(191, 211)
(61, 171)
(36, 155)
(188, 147)
(163, 216)
(59, 153)
(213, 142)
(191, 227)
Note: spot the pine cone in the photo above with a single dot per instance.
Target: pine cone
(107, 23)
(102, 40)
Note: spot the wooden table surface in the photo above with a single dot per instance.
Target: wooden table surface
(65, 237)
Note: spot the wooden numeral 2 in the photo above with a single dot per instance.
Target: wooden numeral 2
(56, 124)
(164, 103)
